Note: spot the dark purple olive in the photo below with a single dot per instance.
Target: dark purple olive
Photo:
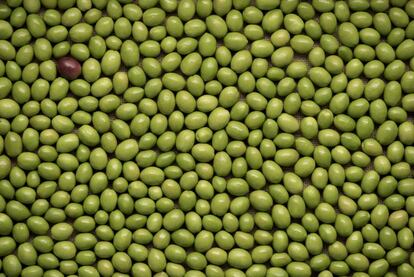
(69, 68)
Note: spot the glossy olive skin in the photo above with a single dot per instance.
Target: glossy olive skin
(206, 138)
(69, 68)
